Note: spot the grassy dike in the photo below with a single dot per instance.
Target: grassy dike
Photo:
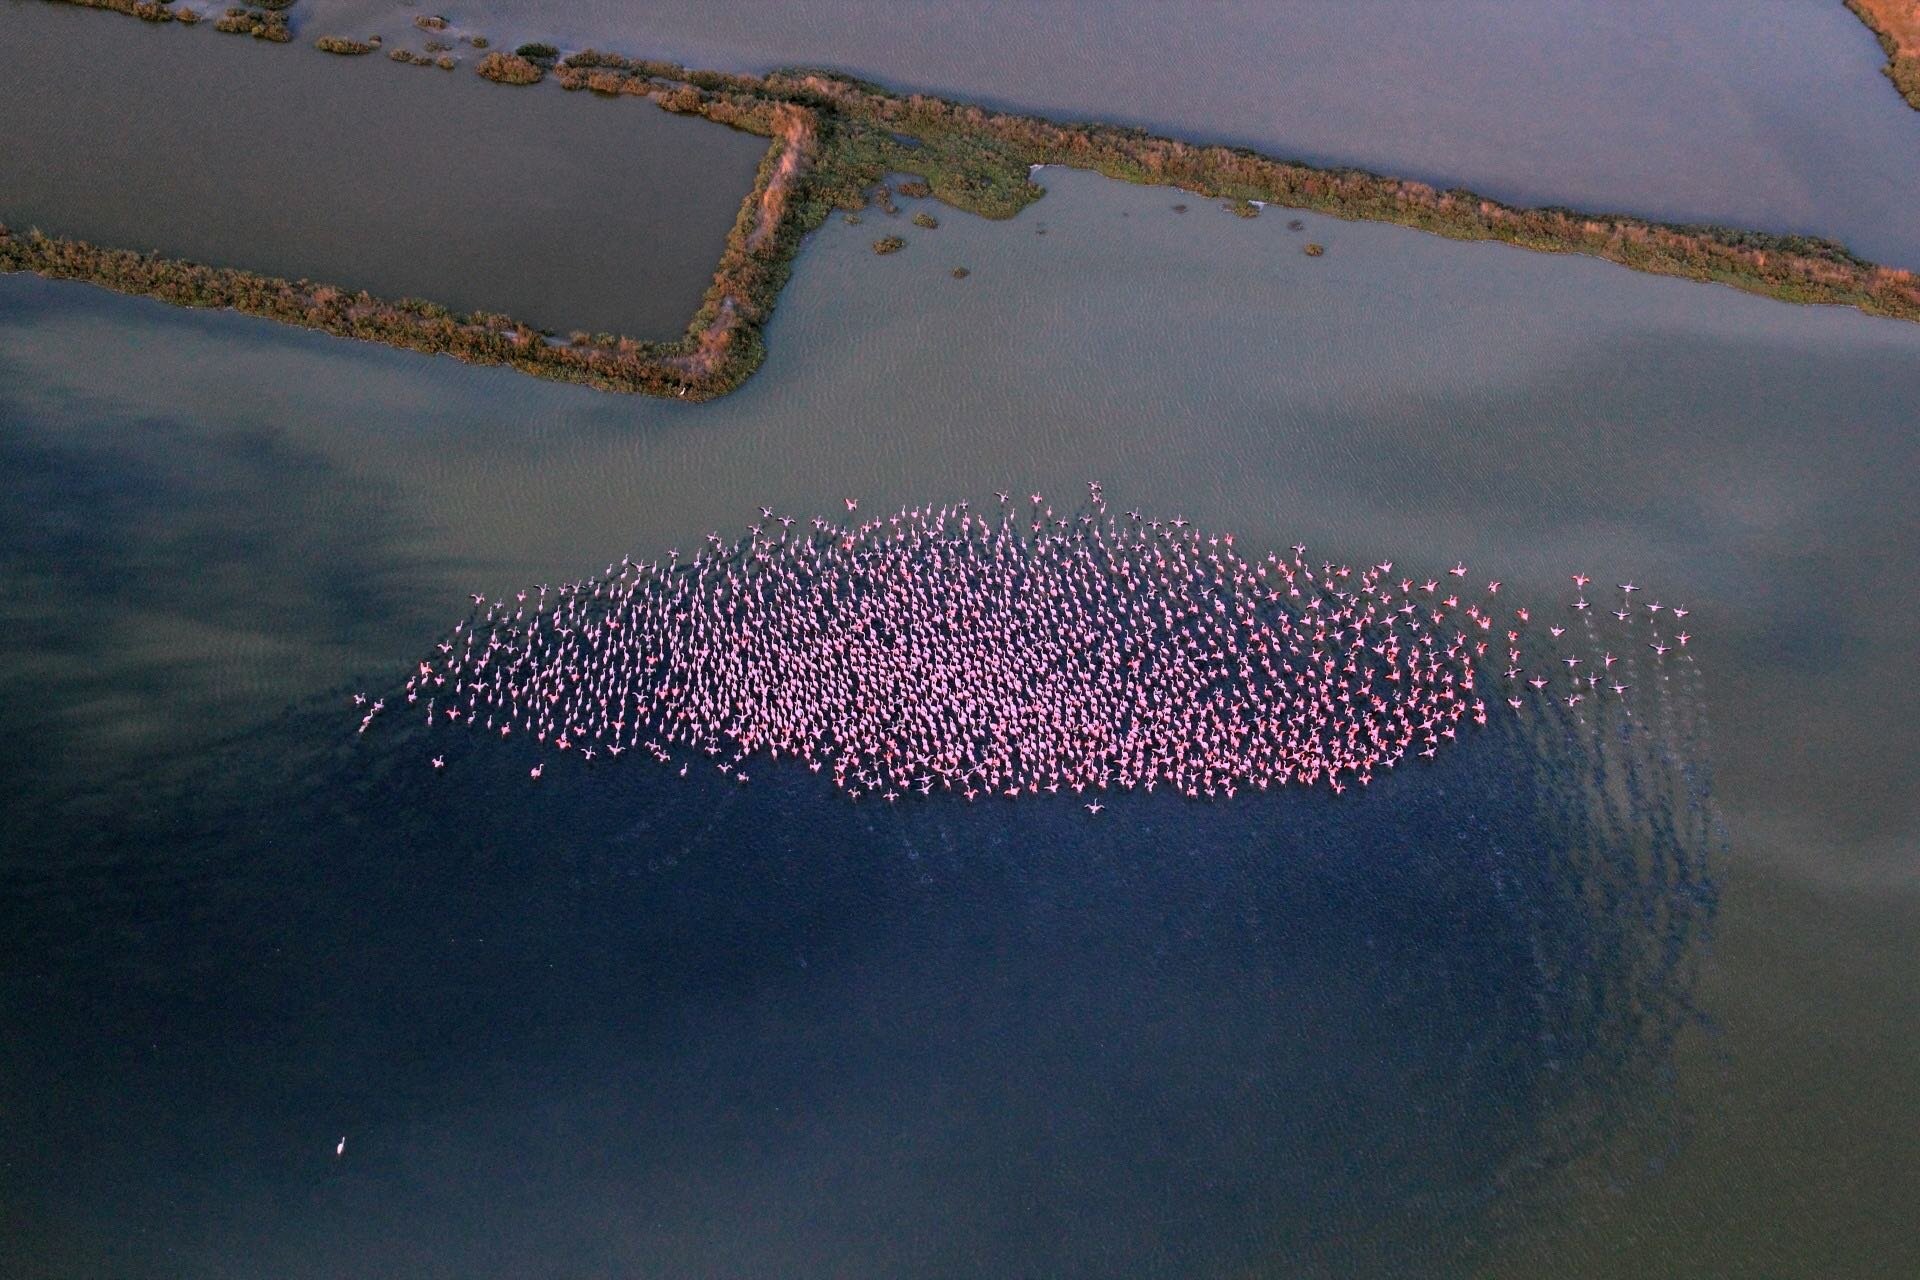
(833, 139)
(1897, 24)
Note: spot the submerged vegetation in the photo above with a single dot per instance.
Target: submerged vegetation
(432, 58)
(835, 143)
(1897, 24)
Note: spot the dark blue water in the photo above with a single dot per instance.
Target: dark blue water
(686, 1027)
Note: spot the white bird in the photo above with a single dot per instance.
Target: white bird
(340, 1147)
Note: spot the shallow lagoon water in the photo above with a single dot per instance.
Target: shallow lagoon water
(838, 1046)
(1755, 113)
(561, 210)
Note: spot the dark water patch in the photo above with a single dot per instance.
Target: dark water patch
(1289, 1032)
(139, 550)
(553, 208)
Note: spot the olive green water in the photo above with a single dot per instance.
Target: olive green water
(566, 214)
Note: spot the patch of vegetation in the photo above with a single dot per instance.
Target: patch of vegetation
(926, 220)
(1314, 250)
(261, 24)
(961, 273)
(446, 62)
(345, 47)
(1243, 208)
(430, 22)
(1896, 24)
(888, 244)
(510, 68)
(537, 52)
(914, 189)
(155, 11)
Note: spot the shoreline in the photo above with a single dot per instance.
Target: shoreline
(1896, 24)
(835, 139)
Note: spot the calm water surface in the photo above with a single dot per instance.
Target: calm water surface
(1761, 113)
(557, 210)
(625, 1026)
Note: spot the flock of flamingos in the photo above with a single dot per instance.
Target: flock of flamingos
(1016, 651)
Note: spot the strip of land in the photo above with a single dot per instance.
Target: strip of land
(834, 139)
(1897, 23)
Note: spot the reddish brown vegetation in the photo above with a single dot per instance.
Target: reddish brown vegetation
(509, 68)
(1897, 23)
